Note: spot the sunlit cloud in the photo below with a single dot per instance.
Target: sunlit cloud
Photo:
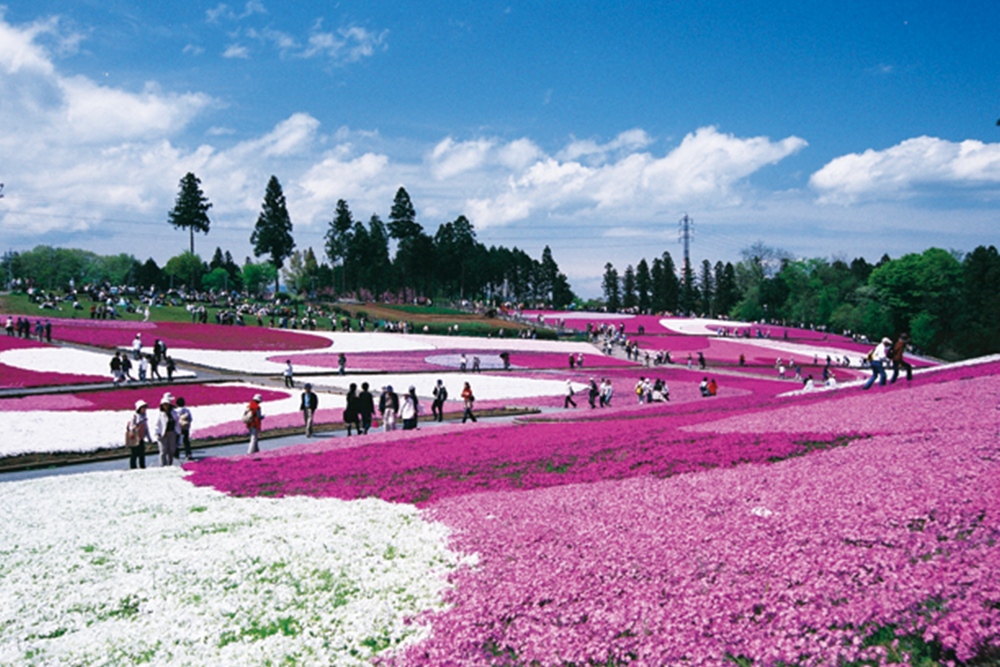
(912, 167)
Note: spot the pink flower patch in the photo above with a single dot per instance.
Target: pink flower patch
(112, 334)
(13, 378)
(124, 399)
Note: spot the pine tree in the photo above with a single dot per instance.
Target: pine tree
(272, 235)
(643, 284)
(628, 287)
(338, 238)
(403, 227)
(191, 208)
(611, 287)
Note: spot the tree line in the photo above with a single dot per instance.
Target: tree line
(948, 302)
(359, 262)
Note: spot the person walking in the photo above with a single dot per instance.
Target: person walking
(351, 410)
(253, 417)
(592, 393)
(116, 368)
(440, 396)
(468, 400)
(877, 358)
(897, 359)
(137, 436)
(410, 411)
(289, 378)
(568, 400)
(366, 408)
(184, 418)
(308, 405)
(388, 407)
(167, 429)
(341, 363)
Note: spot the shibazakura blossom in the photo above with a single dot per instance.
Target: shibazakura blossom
(14, 377)
(91, 421)
(112, 334)
(602, 549)
(133, 568)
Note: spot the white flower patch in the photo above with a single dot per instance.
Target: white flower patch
(69, 360)
(700, 326)
(59, 431)
(272, 361)
(485, 386)
(142, 567)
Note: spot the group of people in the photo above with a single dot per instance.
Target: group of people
(22, 328)
(885, 352)
(148, 364)
(171, 430)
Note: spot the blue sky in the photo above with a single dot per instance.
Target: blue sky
(825, 129)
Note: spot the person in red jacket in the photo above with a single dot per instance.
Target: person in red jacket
(254, 421)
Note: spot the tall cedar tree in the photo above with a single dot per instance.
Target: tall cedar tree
(337, 237)
(643, 282)
(272, 235)
(612, 288)
(191, 208)
(403, 227)
(628, 287)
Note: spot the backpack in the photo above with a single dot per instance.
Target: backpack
(185, 420)
(248, 416)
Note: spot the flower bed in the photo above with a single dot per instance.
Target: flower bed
(441, 359)
(12, 377)
(686, 539)
(132, 568)
(124, 399)
(112, 334)
(89, 422)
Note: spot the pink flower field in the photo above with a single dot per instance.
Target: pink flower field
(124, 399)
(815, 530)
(112, 334)
(14, 378)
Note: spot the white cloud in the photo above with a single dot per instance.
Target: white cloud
(703, 169)
(20, 50)
(223, 11)
(907, 169)
(192, 50)
(98, 113)
(628, 141)
(236, 51)
(450, 158)
(345, 45)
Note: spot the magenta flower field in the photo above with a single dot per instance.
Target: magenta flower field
(124, 399)
(15, 378)
(829, 529)
(112, 334)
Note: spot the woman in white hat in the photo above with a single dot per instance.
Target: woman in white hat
(168, 428)
(137, 435)
(253, 418)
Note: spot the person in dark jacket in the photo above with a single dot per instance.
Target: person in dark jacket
(366, 408)
(308, 406)
(351, 410)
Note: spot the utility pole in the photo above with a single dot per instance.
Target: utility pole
(685, 233)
